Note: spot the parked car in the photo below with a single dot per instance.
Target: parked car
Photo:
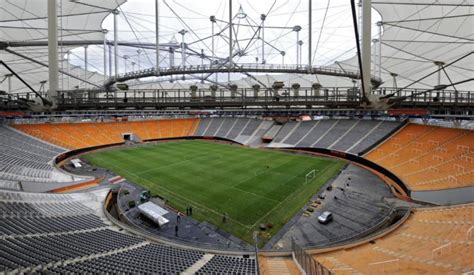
(325, 217)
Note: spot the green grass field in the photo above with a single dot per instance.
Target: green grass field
(252, 186)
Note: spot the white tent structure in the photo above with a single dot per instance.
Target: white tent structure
(418, 33)
(418, 37)
(24, 23)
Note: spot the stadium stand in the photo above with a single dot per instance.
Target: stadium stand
(230, 265)
(58, 234)
(239, 125)
(285, 131)
(255, 140)
(341, 182)
(431, 240)
(351, 136)
(149, 259)
(272, 132)
(23, 158)
(248, 131)
(91, 134)
(428, 157)
(361, 207)
(14, 225)
(277, 265)
(10, 185)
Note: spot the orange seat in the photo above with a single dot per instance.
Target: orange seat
(436, 241)
(91, 134)
(428, 157)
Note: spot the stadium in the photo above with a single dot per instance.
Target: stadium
(236, 137)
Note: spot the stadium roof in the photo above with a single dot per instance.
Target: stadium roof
(416, 33)
(23, 22)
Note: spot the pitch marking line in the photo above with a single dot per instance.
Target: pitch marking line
(249, 227)
(289, 196)
(171, 164)
(185, 199)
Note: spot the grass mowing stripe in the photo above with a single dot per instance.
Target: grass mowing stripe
(290, 195)
(137, 176)
(251, 185)
(174, 163)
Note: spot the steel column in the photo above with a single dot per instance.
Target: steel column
(110, 60)
(53, 69)
(310, 32)
(366, 44)
(231, 64)
(379, 24)
(104, 71)
(85, 66)
(263, 17)
(115, 12)
(157, 32)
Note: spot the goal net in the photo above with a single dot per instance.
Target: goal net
(310, 175)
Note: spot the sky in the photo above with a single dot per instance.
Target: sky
(333, 36)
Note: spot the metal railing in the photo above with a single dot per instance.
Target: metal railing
(241, 67)
(163, 237)
(334, 96)
(247, 96)
(307, 262)
(371, 227)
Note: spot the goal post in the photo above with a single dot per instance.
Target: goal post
(310, 175)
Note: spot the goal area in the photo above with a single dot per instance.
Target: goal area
(310, 175)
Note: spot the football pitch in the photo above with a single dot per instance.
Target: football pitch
(251, 186)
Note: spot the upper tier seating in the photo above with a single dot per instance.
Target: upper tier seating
(90, 134)
(428, 157)
(431, 241)
(59, 234)
(352, 136)
(23, 158)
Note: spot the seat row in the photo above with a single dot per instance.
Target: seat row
(24, 158)
(345, 135)
(90, 134)
(430, 241)
(44, 232)
(428, 157)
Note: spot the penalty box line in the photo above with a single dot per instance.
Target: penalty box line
(183, 198)
(289, 196)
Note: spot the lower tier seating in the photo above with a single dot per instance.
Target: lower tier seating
(23, 158)
(60, 234)
(278, 265)
(149, 259)
(90, 134)
(345, 135)
(228, 265)
(243, 130)
(431, 241)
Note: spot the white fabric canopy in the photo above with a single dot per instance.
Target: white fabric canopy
(416, 33)
(25, 21)
(415, 36)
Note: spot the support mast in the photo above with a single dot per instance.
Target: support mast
(52, 50)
